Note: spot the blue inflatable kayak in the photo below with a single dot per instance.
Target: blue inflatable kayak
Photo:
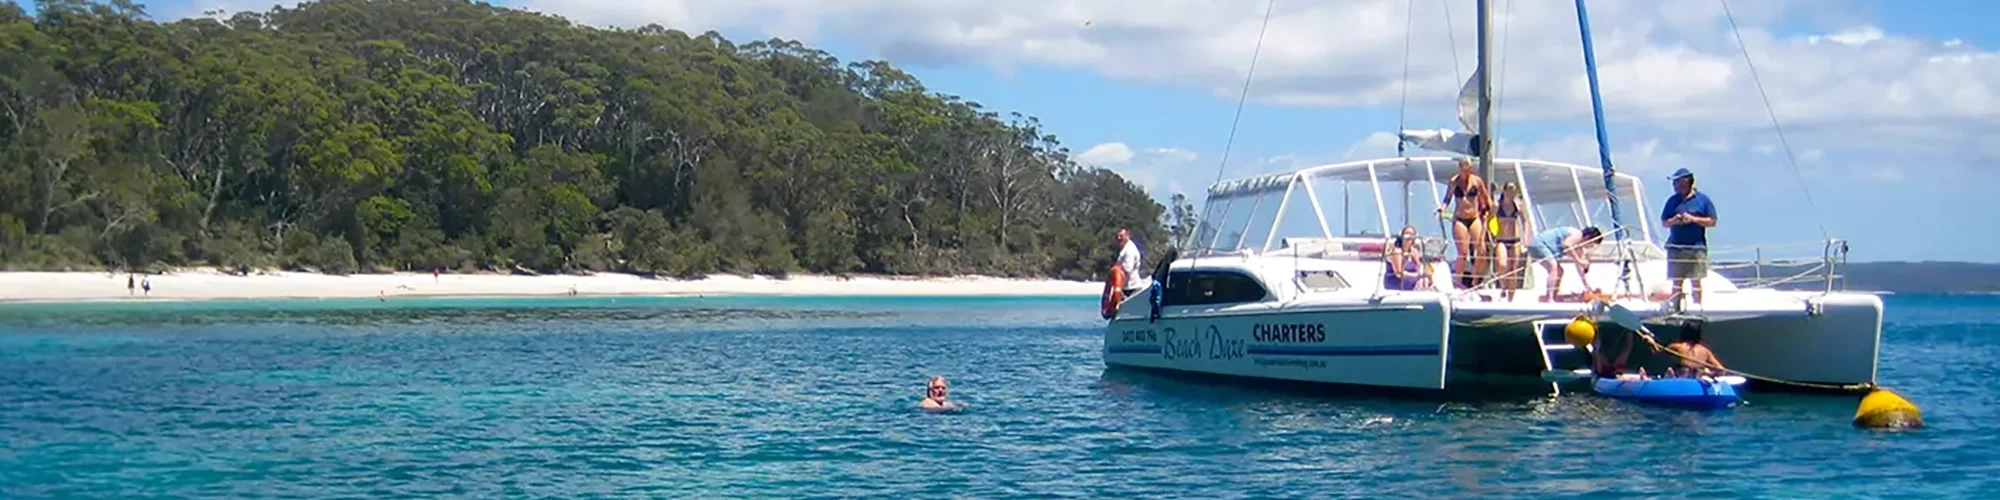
(1681, 392)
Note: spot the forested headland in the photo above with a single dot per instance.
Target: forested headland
(363, 136)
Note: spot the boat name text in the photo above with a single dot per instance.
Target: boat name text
(1221, 348)
(1295, 332)
(1173, 346)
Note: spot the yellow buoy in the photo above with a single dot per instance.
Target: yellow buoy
(1884, 409)
(1580, 332)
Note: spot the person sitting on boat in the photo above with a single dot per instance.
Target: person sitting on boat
(1557, 242)
(1512, 222)
(1698, 360)
(1474, 199)
(936, 394)
(1403, 262)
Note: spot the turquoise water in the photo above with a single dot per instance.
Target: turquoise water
(814, 397)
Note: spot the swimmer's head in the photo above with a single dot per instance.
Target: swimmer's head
(938, 387)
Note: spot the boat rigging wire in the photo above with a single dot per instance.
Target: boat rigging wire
(1500, 62)
(1451, 34)
(1245, 96)
(1403, 109)
(1744, 47)
(1242, 98)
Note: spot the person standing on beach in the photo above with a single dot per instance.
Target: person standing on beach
(147, 284)
(130, 284)
(1688, 214)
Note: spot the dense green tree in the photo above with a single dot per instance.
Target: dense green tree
(351, 135)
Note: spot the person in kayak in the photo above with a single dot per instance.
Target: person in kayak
(1698, 360)
(1604, 368)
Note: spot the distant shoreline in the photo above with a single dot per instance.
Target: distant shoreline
(198, 284)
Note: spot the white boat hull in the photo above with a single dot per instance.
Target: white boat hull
(1396, 343)
(1421, 341)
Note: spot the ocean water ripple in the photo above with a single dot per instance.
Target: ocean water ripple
(815, 397)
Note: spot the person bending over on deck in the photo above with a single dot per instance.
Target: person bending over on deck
(935, 396)
(1700, 360)
(1474, 199)
(1564, 241)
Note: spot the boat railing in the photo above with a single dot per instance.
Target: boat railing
(1747, 267)
(1344, 248)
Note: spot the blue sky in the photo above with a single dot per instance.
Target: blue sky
(1886, 106)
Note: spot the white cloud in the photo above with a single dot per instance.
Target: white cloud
(1376, 145)
(1856, 36)
(1668, 69)
(1646, 158)
(1672, 61)
(1110, 153)
(1162, 171)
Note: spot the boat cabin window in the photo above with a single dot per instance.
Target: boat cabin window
(1321, 281)
(1211, 287)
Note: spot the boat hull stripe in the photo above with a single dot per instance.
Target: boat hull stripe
(1383, 350)
(1134, 349)
(1380, 350)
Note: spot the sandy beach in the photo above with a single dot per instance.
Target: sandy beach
(208, 284)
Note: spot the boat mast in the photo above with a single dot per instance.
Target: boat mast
(1484, 137)
(1603, 143)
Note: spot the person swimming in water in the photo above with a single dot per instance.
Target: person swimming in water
(936, 396)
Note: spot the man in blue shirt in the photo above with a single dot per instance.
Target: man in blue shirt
(1688, 215)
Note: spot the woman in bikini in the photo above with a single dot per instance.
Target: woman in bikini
(1403, 263)
(1513, 223)
(1473, 200)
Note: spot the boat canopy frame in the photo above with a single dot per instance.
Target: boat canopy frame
(1543, 183)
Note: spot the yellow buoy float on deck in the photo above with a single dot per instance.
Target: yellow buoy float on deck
(1580, 332)
(1884, 409)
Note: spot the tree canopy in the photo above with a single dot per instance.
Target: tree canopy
(356, 136)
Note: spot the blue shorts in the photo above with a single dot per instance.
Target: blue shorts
(1547, 244)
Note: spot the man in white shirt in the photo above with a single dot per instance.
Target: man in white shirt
(1128, 258)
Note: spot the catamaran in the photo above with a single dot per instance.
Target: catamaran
(1267, 289)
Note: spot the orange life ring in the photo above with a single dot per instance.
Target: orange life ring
(1114, 292)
